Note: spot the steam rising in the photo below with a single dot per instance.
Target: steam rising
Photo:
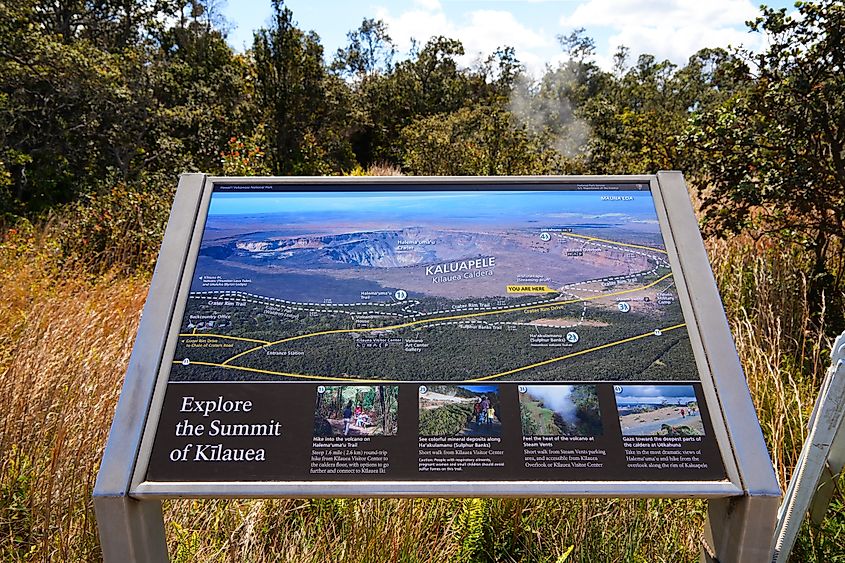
(546, 110)
(557, 398)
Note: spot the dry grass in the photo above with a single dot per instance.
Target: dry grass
(783, 353)
(435, 530)
(64, 344)
(64, 351)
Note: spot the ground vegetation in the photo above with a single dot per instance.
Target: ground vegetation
(103, 104)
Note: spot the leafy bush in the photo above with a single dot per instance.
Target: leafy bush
(245, 156)
(120, 229)
(479, 141)
(472, 523)
(445, 421)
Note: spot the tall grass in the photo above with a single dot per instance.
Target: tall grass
(64, 342)
(785, 353)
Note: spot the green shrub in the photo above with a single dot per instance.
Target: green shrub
(447, 420)
(117, 230)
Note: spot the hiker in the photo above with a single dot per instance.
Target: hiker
(683, 414)
(485, 404)
(347, 417)
(476, 413)
(491, 412)
(358, 414)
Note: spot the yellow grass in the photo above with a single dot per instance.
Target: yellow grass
(64, 344)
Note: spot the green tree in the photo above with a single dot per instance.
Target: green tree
(772, 157)
(639, 115)
(92, 94)
(305, 107)
(497, 75)
(63, 106)
(427, 83)
(108, 25)
(482, 140)
(203, 94)
(369, 50)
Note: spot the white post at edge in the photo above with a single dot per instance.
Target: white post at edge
(821, 458)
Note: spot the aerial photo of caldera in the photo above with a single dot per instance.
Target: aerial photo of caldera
(462, 286)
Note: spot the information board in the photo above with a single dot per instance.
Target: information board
(433, 333)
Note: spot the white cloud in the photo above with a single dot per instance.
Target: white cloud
(480, 31)
(418, 24)
(620, 13)
(428, 4)
(668, 29)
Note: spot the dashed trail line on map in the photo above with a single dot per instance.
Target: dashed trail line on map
(354, 379)
(530, 307)
(537, 308)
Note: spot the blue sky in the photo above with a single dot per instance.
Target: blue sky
(654, 394)
(552, 205)
(481, 388)
(672, 29)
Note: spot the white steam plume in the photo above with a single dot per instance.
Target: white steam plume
(555, 397)
(550, 112)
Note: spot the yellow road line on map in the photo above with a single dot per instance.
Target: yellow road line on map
(448, 318)
(573, 354)
(224, 336)
(617, 243)
(353, 379)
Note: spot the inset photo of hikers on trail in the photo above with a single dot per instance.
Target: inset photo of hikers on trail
(559, 410)
(658, 410)
(356, 410)
(460, 410)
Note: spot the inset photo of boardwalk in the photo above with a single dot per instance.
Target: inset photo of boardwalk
(459, 410)
(658, 410)
(356, 410)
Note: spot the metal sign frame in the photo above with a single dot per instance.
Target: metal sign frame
(821, 461)
(742, 509)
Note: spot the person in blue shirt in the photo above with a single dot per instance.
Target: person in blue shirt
(347, 418)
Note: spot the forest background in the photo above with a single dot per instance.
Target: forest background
(103, 103)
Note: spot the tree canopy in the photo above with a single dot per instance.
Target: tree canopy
(95, 95)
(772, 155)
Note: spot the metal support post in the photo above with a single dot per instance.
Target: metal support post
(739, 529)
(132, 530)
(821, 459)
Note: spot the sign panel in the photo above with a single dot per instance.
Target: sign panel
(508, 336)
(486, 332)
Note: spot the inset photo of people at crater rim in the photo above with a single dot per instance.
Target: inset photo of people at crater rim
(356, 410)
(658, 410)
(459, 410)
(559, 410)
